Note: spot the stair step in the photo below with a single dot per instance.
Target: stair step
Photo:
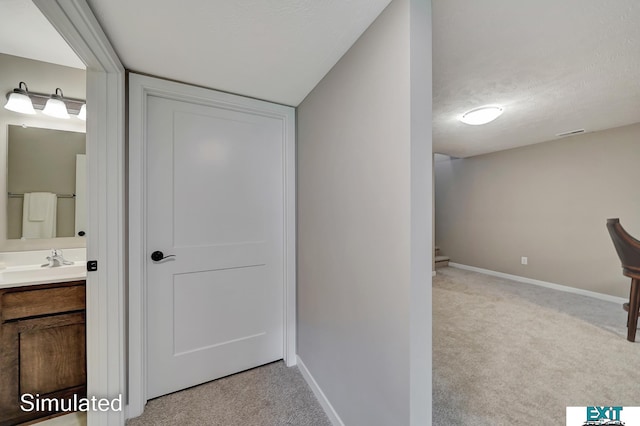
(442, 261)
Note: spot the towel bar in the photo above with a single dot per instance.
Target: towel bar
(20, 195)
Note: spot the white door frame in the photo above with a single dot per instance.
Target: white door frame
(140, 88)
(75, 21)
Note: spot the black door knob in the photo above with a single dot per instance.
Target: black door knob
(157, 256)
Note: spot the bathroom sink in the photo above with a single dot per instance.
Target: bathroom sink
(35, 274)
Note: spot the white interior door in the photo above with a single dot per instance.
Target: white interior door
(215, 201)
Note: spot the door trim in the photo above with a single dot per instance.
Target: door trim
(106, 367)
(140, 88)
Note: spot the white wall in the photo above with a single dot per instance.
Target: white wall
(364, 224)
(548, 202)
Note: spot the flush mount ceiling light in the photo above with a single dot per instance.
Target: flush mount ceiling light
(19, 101)
(25, 102)
(481, 115)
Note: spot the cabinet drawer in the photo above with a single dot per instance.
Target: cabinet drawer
(43, 301)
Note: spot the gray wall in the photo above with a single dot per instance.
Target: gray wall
(41, 77)
(358, 190)
(548, 202)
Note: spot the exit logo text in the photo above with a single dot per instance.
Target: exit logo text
(603, 415)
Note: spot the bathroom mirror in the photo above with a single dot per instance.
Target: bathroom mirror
(46, 177)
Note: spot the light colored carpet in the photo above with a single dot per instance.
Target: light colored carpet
(271, 395)
(511, 353)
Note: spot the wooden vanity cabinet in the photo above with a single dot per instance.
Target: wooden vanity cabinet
(42, 346)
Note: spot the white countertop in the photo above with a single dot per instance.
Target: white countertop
(18, 276)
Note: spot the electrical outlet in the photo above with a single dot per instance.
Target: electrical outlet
(524, 260)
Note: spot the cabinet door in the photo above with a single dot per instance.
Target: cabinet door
(44, 356)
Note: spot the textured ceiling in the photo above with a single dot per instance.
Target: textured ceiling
(276, 50)
(554, 65)
(26, 32)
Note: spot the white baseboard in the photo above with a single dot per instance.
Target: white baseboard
(324, 402)
(554, 286)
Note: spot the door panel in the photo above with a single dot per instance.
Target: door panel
(40, 348)
(214, 200)
(202, 297)
(226, 158)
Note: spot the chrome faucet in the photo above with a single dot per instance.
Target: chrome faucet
(56, 259)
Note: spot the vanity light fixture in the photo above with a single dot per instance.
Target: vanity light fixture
(82, 115)
(55, 105)
(481, 115)
(19, 100)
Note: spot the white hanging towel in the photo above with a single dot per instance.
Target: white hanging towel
(39, 214)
